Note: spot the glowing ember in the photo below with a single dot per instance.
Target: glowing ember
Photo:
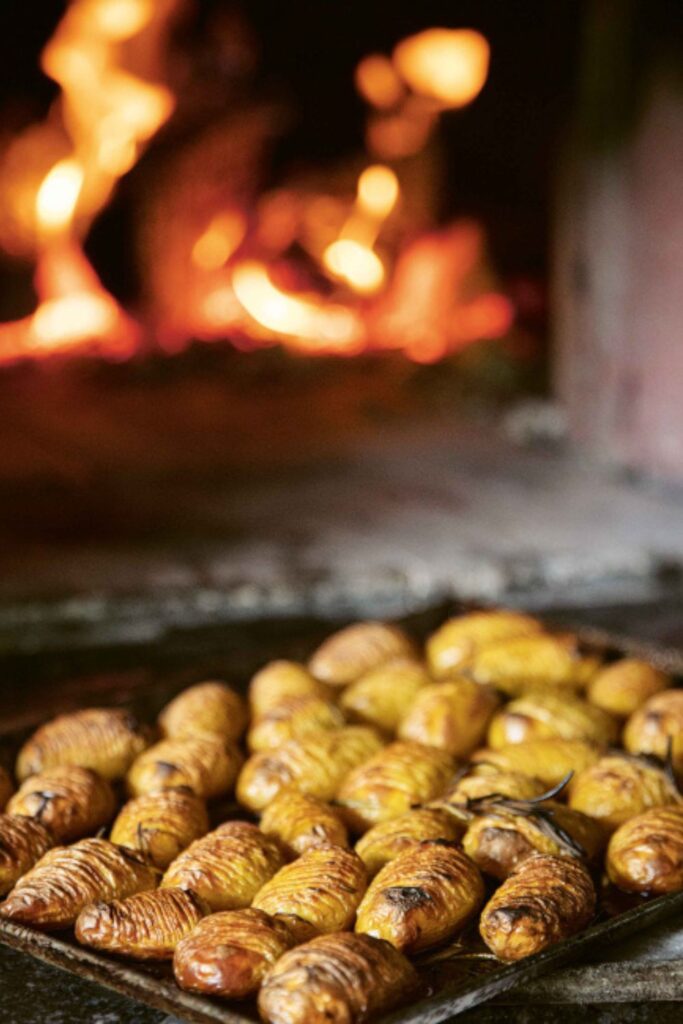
(446, 65)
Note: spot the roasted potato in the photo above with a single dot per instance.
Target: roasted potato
(227, 867)
(315, 767)
(279, 681)
(23, 842)
(387, 840)
(106, 740)
(351, 652)
(392, 781)
(619, 787)
(382, 696)
(71, 802)
(515, 665)
(206, 709)
(206, 765)
(645, 855)
(322, 888)
(229, 954)
(657, 725)
(460, 638)
(624, 686)
(477, 781)
(6, 788)
(296, 718)
(549, 760)
(147, 926)
(452, 715)
(69, 878)
(161, 825)
(299, 822)
(422, 897)
(546, 899)
(538, 715)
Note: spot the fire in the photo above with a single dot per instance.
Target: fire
(58, 196)
(449, 66)
(378, 191)
(378, 82)
(222, 238)
(358, 265)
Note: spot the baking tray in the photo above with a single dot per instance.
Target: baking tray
(454, 984)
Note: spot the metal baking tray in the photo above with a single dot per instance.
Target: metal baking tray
(454, 983)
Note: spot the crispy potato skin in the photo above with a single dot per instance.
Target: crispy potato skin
(23, 842)
(6, 788)
(548, 760)
(422, 897)
(452, 716)
(459, 639)
(387, 840)
(71, 802)
(382, 696)
(483, 780)
(279, 681)
(522, 662)
(161, 825)
(645, 855)
(206, 709)
(618, 788)
(300, 822)
(623, 687)
(390, 783)
(323, 888)
(229, 954)
(106, 740)
(337, 979)
(227, 867)
(315, 767)
(351, 652)
(545, 900)
(296, 718)
(147, 926)
(68, 878)
(649, 728)
(500, 838)
(545, 714)
(206, 765)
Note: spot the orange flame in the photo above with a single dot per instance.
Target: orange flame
(449, 66)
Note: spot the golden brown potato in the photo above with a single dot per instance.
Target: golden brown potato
(549, 760)
(460, 638)
(382, 696)
(545, 900)
(296, 718)
(106, 740)
(387, 840)
(23, 842)
(6, 788)
(345, 978)
(351, 652)
(452, 715)
(147, 926)
(299, 822)
(655, 725)
(392, 781)
(478, 781)
(161, 825)
(229, 954)
(323, 888)
(71, 802)
(205, 765)
(538, 715)
(422, 897)
(619, 787)
(206, 709)
(621, 688)
(279, 681)
(522, 662)
(227, 867)
(69, 878)
(502, 836)
(315, 767)
(645, 855)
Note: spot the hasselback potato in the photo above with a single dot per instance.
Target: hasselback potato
(206, 709)
(341, 978)
(23, 842)
(278, 681)
(69, 878)
(546, 899)
(206, 765)
(71, 802)
(351, 652)
(147, 926)
(451, 715)
(107, 740)
(549, 760)
(619, 787)
(227, 867)
(299, 822)
(624, 686)
(316, 767)
(656, 726)
(161, 825)
(387, 840)
(477, 781)
(295, 718)
(522, 662)
(538, 715)
(391, 782)
(6, 787)
(382, 696)
(460, 638)
(228, 954)
(645, 855)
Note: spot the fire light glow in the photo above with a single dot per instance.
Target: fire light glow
(449, 66)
